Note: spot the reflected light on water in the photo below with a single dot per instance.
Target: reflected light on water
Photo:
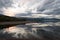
(15, 29)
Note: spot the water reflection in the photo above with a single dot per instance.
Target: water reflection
(29, 30)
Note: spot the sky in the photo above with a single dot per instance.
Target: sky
(30, 8)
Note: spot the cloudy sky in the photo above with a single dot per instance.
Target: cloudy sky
(29, 8)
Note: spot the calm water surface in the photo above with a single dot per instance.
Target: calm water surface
(29, 30)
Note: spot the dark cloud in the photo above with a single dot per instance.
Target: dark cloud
(52, 5)
(5, 3)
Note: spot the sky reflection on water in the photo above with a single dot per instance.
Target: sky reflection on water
(28, 30)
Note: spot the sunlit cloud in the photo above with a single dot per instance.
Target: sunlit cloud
(22, 6)
(9, 12)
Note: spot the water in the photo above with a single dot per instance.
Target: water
(29, 30)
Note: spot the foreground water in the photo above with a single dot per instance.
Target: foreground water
(30, 30)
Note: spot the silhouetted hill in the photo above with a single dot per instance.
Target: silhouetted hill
(7, 18)
(43, 19)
